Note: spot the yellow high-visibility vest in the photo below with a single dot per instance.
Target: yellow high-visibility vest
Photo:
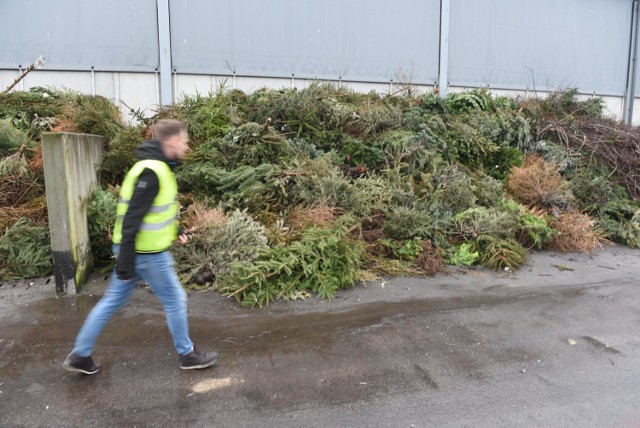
(159, 226)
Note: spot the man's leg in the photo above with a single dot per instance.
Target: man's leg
(118, 293)
(157, 269)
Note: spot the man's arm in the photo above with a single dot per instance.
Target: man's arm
(145, 191)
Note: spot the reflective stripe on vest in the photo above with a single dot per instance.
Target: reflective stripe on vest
(153, 209)
(159, 227)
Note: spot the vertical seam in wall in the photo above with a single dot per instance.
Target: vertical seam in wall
(167, 95)
(443, 51)
(629, 96)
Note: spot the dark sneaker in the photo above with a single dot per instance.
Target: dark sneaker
(76, 363)
(198, 359)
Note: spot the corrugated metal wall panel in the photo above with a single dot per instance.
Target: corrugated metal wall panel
(76, 35)
(548, 44)
(515, 44)
(637, 74)
(370, 40)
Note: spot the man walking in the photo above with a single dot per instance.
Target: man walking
(146, 226)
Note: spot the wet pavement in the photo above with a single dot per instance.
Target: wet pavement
(555, 344)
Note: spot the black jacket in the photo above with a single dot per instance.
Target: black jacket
(145, 191)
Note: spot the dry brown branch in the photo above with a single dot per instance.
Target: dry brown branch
(37, 64)
(35, 210)
(316, 215)
(576, 232)
(64, 125)
(36, 164)
(613, 144)
(371, 236)
(292, 174)
(200, 216)
(18, 182)
(432, 258)
(539, 183)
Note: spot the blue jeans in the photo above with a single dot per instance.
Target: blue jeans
(157, 270)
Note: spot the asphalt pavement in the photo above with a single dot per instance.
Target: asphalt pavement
(554, 344)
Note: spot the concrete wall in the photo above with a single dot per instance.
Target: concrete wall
(70, 162)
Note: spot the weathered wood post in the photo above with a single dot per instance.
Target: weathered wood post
(70, 165)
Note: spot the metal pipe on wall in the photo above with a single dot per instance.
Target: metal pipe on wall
(630, 92)
(93, 81)
(175, 85)
(157, 80)
(116, 89)
(443, 62)
(164, 43)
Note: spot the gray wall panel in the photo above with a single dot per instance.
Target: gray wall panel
(554, 44)
(73, 34)
(357, 39)
(511, 44)
(637, 83)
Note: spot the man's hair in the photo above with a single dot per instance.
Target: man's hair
(167, 128)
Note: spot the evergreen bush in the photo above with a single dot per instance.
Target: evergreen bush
(25, 251)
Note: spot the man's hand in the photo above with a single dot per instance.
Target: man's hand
(183, 237)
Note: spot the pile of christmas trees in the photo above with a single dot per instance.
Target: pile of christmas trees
(294, 192)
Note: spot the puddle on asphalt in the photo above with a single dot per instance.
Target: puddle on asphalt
(301, 349)
(51, 308)
(256, 333)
